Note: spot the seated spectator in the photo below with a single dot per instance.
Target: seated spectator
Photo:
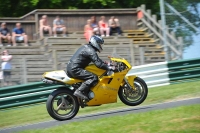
(88, 32)
(58, 26)
(114, 25)
(6, 66)
(4, 34)
(44, 26)
(94, 25)
(103, 27)
(18, 35)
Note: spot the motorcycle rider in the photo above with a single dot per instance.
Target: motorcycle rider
(82, 57)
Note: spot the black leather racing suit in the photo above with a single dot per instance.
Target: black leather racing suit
(76, 66)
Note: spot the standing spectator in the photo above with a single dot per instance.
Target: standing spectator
(6, 67)
(103, 27)
(4, 34)
(18, 35)
(88, 32)
(94, 25)
(58, 26)
(44, 26)
(114, 25)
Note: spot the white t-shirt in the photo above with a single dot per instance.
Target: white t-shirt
(6, 65)
(58, 22)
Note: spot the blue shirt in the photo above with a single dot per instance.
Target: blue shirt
(18, 31)
(4, 31)
(93, 25)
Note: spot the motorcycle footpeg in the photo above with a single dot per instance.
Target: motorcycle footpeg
(81, 103)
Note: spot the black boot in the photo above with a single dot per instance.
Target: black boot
(79, 93)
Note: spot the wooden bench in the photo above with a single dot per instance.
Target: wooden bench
(30, 43)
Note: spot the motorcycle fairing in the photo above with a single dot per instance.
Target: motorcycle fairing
(106, 90)
(93, 69)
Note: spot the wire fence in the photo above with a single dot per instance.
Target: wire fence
(183, 18)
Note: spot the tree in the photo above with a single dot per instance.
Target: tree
(16, 8)
(188, 9)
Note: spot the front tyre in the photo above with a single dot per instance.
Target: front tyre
(62, 104)
(133, 97)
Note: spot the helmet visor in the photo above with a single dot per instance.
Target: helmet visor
(101, 47)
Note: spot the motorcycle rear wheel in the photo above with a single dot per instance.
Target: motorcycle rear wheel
(62, 104)
(133, 97)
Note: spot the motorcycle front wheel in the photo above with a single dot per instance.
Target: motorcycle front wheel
(136, 96)
(62, 104)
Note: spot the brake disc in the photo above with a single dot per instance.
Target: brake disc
(131, 93)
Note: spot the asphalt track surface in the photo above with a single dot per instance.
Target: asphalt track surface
(129, 110)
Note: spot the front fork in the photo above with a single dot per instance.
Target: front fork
(129, 80)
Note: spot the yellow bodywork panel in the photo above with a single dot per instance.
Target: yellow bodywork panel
(106, 90)
(131, 80)
(73, 81)
(121, 60)
(60, 76)
(93, 69)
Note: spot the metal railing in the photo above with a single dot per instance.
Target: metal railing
(165, 73)
(25, 94)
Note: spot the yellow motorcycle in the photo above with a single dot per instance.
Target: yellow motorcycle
(63, 105)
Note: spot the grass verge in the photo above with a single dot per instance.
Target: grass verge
(38, 113)
(183, 119)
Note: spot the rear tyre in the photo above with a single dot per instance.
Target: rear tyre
(133, 97)
(62, 104)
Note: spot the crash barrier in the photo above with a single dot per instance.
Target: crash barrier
(25, 94)
(165, 73)
(156, 74)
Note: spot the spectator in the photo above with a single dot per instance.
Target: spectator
(44, 26)
(4, 34)
(103, 27)
(18, 35)
(94, 25)
(6, 67)
(58, 26)
(88, 32)
(114, 25)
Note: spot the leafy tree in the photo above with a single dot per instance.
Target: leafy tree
(16, 8)
(188, 9)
